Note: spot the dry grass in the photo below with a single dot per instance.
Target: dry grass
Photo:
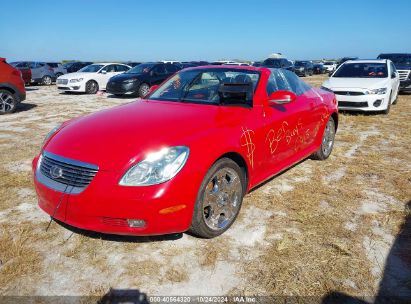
(316, 228)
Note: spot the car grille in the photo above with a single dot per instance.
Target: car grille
(348, 93)
(66, 173)
(404, 74)
(62, 81)
(362, 104)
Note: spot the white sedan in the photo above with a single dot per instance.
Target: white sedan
(91, 78)
(364, 85)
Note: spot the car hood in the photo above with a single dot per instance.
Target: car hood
(125, 76)
(360, 83)
(115, 138)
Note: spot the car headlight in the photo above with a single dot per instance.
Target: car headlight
(76, 80)
(381, 91)
(157, 167)
(326, 89)
(130, 80)
(51, 133)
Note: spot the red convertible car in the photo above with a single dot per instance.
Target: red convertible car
(184, 157)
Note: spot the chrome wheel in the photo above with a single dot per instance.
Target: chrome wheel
(222, 198)
(47, 80)
(144, 89)
(328, 138)
(7, 103)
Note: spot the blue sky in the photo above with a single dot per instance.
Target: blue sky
(202, 29)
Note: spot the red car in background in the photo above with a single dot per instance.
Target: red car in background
(12, 90)
(25, 71)
(183, 158)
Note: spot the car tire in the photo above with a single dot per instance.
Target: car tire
(143, 90)
(91, 87)
(119, 95)
(8, 102)
(327, 141)
(58, 75)
(387, 110)
(221, 191)
(46, 80)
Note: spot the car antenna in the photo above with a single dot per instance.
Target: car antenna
(56, 208)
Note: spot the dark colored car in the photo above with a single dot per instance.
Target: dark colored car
(73, 67)
(304, 68)
(278, 63)
(132, 63)
(402, 62)
(138, 80)
(319, 68)
(12, 90)
(344, 59)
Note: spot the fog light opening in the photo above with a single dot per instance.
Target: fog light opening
(136, 223)
(377, 103)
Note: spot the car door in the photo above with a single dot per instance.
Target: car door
(287, 125)
(158, 74)
(36, 72)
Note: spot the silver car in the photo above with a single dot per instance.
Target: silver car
(58, 68)
(41, 72)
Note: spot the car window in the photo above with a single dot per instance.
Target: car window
(110, 68)
(32, 65)
(159, 69)
(280, 79)
(297, 86)
(121, 68)
(203, 86)
(171, 68)
(271, 85)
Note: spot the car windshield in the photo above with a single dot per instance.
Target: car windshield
(398, 60)
(204, 85)
(362, 70)
(328, 63)
(92, 68)
(141, 69)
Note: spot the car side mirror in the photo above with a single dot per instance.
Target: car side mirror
(393, 75)
(282, 97)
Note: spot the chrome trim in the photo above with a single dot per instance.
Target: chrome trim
(54, 185)
(70, 161)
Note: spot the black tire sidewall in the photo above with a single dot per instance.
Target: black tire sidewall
(90, 92)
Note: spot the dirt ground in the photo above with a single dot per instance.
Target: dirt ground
(341, 225)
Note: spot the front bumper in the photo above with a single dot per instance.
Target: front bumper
(72, 86)
(363, 102)
(405, 86)
(105, 207)
(122, 88)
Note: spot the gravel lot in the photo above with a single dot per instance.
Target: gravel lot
(319, 227)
